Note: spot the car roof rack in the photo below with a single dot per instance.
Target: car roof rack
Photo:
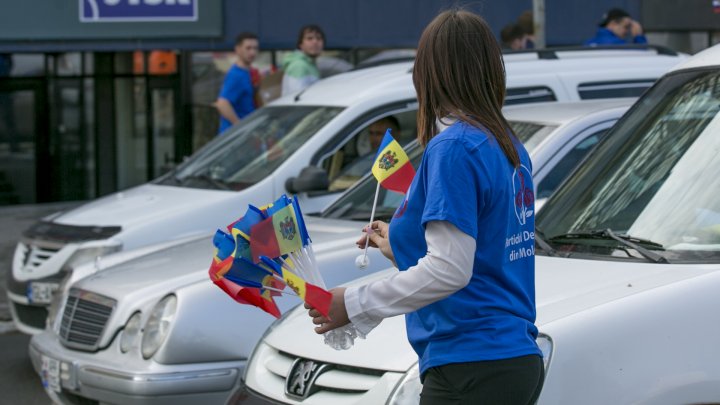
(543, 53)
(383, 62)
(551, 53)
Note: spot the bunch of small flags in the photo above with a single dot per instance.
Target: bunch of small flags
(265, 251)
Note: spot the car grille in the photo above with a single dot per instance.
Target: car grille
(339, 384)
(37, 252)
(84, 319)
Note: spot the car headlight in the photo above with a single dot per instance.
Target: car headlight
(158, 325)
(546, 347)
(88, 254)
(130, 333)
(408, 389)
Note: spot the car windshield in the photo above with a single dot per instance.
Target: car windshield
(250, 151)
(531, 134)
(356, 203)
(655, 178)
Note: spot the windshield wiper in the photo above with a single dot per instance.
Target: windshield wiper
(626, 240)
(207, 179)
(540, 241)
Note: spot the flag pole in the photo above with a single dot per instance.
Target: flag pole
(364, 261)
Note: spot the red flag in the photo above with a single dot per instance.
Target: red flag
(249, 296)
(264, 241)
(318, 298)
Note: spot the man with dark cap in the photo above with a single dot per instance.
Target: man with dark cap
(618, 28)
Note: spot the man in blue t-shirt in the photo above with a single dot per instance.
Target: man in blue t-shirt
(237, 96)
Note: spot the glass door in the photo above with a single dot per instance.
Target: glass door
(70, 148)
(164, 100)
(24, 158)
(147, 105)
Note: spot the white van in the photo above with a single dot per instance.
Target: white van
(627, 276)
(295, 144)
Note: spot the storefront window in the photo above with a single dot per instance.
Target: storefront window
(69, 64)
(22, 65)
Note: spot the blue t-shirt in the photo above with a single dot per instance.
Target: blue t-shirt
(238, 90)
(465, 179)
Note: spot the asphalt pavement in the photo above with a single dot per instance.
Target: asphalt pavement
(18, 382)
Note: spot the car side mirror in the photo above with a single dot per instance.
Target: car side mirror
(311, 178)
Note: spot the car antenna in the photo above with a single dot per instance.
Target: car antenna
(297, 97)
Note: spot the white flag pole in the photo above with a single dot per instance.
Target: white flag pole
(362, 261)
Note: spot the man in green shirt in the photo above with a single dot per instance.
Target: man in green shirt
(299, 68)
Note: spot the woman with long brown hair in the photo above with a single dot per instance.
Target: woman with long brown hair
(464, 237)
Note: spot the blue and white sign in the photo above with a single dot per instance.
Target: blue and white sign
(138, 10)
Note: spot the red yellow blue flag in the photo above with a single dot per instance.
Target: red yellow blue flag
(242, 295)
(392, 168)
(315, 296)
(276, 235)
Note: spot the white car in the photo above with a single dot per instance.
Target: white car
(115, 363)
(311, 135)
(627, 276)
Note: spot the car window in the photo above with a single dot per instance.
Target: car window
(614, 89)
(531, 134)
(567, 164)
(251, 150)
(352, 160)
(356, 204)
(656, 176)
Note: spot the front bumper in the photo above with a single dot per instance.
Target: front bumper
(102, 377)
(29, 319)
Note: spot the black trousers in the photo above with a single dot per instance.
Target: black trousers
(515, 381)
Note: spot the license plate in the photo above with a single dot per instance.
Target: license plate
(41, 293)
(50, 373)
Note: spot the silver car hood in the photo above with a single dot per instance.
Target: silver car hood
(188, 261)
(563, 287)
(141, 204)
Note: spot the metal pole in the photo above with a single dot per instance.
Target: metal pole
(539, 22)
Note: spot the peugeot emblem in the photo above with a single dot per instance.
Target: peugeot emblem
(300, 382)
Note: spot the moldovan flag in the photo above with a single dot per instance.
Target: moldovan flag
(249, 296)
(315, 296)
(276, 235)
(392, 168)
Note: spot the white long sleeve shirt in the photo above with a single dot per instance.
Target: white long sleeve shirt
(446, 268)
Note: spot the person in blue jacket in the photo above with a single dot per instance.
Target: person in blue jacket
(618, 28)
(463, 239)
(237, 95)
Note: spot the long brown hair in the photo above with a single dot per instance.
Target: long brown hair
(459, 71)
